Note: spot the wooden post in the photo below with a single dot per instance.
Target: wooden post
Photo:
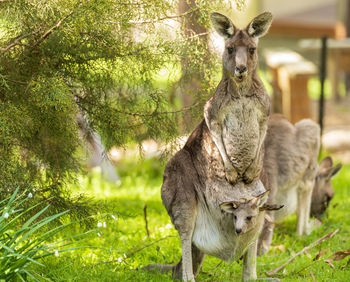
(322, 80)
(347, 25)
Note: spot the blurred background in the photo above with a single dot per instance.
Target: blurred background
(292, 56)
(291, 63)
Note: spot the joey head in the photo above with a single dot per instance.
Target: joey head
(245, 213)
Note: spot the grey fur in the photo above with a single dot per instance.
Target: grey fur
(290, 166)
(227, 141)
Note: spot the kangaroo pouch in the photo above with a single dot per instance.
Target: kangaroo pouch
(214, 234)
(214, 231)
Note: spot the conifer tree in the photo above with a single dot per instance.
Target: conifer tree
(97, 58)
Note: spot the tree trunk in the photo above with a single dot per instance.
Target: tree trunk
(189, 83)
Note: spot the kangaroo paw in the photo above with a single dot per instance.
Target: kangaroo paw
(231, 174)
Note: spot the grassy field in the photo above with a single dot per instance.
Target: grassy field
(115, 246)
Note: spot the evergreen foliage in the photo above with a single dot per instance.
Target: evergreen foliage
(96, 58)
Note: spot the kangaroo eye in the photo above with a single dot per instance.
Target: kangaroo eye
(249, 218)
(235, 217)
(230, 50)
(251, 51)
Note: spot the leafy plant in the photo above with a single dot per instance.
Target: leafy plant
(22, 242)
(98, 59)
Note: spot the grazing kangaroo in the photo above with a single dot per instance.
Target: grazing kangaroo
(237, 113)
(323, 190)
(290, 167)
(195, 191)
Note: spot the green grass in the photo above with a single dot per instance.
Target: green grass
(141, 182)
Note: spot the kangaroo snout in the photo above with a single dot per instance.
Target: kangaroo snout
(241, 70)
(240, 73)
(238, 231)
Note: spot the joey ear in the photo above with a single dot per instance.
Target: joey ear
(260, 25)
(229, 206)
(222, 25)
(261, 199)
(266, 207)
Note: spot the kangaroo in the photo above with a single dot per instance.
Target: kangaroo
(290, 167)
(237, 113)
(195, 188)
(323, 192)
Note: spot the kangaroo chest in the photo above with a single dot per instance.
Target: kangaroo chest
(243, 123)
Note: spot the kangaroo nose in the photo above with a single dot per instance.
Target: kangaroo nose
(241, 69)
(328, 199)
(238, 231)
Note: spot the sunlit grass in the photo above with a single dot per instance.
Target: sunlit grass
(125, 233)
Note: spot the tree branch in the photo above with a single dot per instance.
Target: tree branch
(318, 241)
(154, 113)
(17, 41)
(16, 81)
(159, 113)
(164, 18)
(57, 25)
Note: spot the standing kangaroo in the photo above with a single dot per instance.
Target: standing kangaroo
(237, 113)
(290, 167)
(211, 215)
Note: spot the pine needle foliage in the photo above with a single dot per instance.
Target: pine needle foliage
(96, 58)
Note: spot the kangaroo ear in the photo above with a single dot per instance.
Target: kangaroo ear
(229, 206)
(328, 173)
(266, 207)
(260, 25)
(261, 199)
(326, 163)
(336, 169)
(222, 25)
